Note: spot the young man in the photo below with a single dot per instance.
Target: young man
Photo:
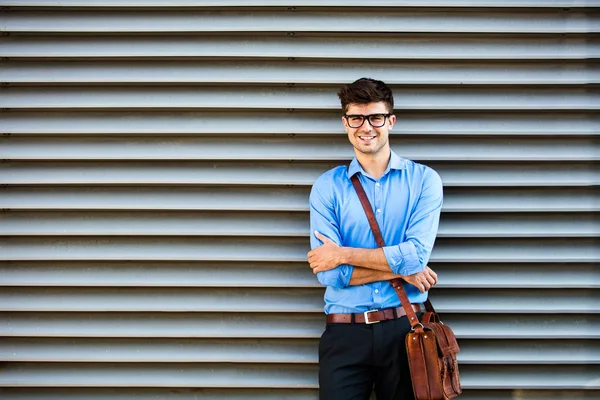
(355, 352)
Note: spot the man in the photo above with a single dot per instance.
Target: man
(355, 354)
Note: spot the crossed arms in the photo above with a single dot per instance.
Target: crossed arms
(341, 266)
(370, 265)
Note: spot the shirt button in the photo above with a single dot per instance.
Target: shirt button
(376, 290)
(379, 210)
(378, 184)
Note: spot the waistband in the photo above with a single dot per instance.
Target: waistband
(371, 317)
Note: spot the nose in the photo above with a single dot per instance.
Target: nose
(366, 126)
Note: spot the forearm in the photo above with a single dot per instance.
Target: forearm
(360, 276)
(370, 259)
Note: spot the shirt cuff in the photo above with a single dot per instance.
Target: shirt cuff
(403, 259)
(339, 277)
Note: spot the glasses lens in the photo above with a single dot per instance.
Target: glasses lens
(377, 120)
(355, 121)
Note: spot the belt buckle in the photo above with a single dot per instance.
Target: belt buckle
(366, 314)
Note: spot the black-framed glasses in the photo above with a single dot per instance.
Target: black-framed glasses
(357, 120)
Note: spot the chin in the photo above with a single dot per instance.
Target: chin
(367, 150)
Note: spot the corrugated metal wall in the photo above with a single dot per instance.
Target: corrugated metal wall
(156, 163)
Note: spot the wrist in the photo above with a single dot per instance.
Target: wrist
(345, 255)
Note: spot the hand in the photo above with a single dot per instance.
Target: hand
(423, 280)
(325, 257)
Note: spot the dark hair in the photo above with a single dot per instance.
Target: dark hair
(366, 90)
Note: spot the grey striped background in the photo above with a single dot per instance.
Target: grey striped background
(157, 158)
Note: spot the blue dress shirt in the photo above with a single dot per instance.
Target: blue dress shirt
(406, 200)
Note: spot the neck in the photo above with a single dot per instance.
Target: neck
(374, 165)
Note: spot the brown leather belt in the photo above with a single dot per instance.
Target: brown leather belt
(370, 317)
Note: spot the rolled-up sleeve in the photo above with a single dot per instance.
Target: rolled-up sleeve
(412, 255)
(323, 219)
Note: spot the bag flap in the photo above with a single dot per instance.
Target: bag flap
(452, 342)
(446, 340)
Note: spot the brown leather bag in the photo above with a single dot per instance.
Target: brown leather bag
(431, 346)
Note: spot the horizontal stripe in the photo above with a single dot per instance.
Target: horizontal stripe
(281, 249)
(284, 275)
(299, 72)
(122, 393)
(345, 45)
(173, 20)
(293, 351)
(265, 375)
(221, 173)
(30, 223)
(202, 97)
(118, 124)
(276, 300)
(276, 325)
(275, 198)
(302, 3)
(264, 148)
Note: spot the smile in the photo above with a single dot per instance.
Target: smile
(366, 138)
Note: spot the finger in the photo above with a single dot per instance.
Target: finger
(431, 280)
(322, 237)
(430, 274)
(435, 276)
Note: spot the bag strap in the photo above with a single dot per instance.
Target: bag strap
(397, 282)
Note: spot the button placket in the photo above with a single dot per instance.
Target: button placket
(377, 294)
(378, 204)
(378, 201)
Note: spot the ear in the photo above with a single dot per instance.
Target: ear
(391, 121)
(345, 123)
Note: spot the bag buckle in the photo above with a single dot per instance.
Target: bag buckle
(366, 314)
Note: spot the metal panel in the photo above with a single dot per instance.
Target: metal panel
(301, 3)
(157, 158)
(216, 375)
(244, 123)
(307, 98)
(447, 46)
(274, 198)
(309, 20)
(257, 394)
(272, 274)
(297, 351)
(270, 300)
(125, 393)
(301, 148)
(300, 72)
(161, 374)
(487, 174)
(155, 223)
(165, 274)
(286, 249)
(275, 325)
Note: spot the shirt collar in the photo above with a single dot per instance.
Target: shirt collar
(394, 163)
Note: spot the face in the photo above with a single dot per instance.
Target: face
(366, 139)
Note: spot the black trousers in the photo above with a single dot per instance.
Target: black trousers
(355, 358)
